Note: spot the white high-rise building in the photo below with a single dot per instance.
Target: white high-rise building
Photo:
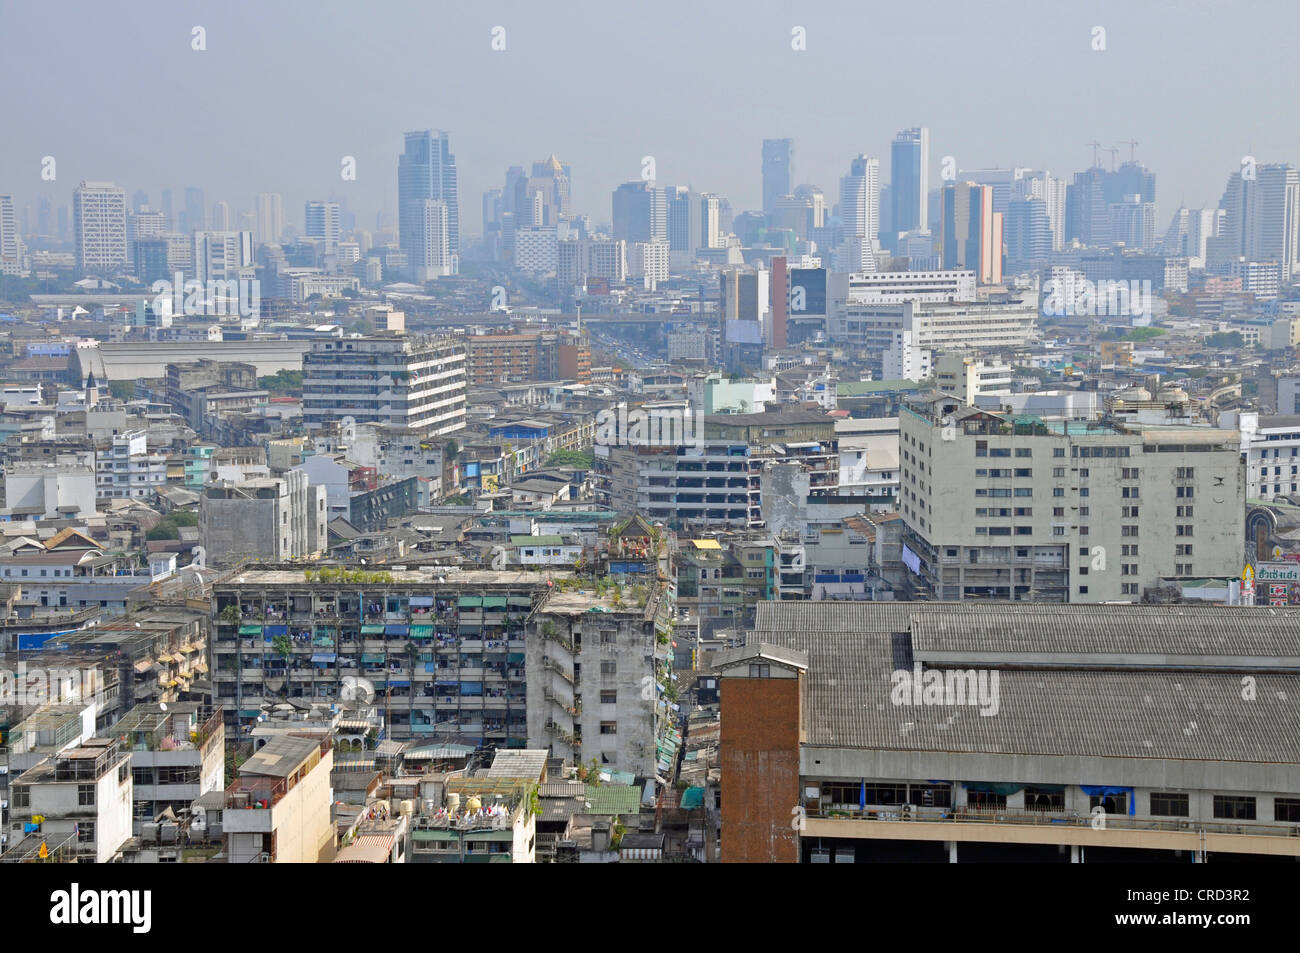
(11, 243)
(1040, 184)
(269, 211)
(536, 248)
(1262, 213)
(712, 234)
(860, 203)
(648, 261)
(99, 226)
(220, 221)
(437, 259)
(221, 256)
(324, 222)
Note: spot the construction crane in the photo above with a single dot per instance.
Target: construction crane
(1096, 157)
(1132, 148)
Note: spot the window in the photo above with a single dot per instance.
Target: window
(1058, 491)
(1058, 451)
(1234, 807)
(1058, 471)
(1169, 805)
(1286, 809)
(887, 794)
(609, 698)
(611, 668)
(1185, 492)
(755, 671)
(1110, 803)
(124, 772)
(1024, 452)
(85, 795)
(1023, 472)
(609, 728)
(85, 832)
(1182, 530)
(1044, 799)
(986, 799)
(22, 796)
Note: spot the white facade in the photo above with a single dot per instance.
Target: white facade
(904, 360)
(99, 227)
(1271, 448)
(127, 469)
(536, 249)
(50, 491)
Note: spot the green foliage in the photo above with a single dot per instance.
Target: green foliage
(282, 646)
(1144, 334)
(579, 459)
(331, 574)
(122, 390)
(282, 382)
(1223, 339)
(460, 499)
(169, 526)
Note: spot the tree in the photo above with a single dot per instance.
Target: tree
(122, 390)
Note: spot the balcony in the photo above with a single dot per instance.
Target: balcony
(1051, 827)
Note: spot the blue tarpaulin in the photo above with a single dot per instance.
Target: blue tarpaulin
(1101, 790)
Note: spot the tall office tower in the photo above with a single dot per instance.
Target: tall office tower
(167, 208)
(193, 218)
(437, 260)
(323, 221)
(139, 200)
(1087, 217)
(1133, 222)
(909, 181)
(427, 170)
(1040, 184)
(684, 220)
(514, 175)
(11, 243)
(492, 213)
(778, 171)
(640, 212)
(972, 231)
(1131, 178)
(221, 256)
(220, 221)
(1028, 234)
(268, 211)
(711, 233)
(860, 202)
(44, 214)
(1259, 221)
(814, 199)
(99, 226)
(550, 176)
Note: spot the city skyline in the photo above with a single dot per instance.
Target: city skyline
(1078, 100)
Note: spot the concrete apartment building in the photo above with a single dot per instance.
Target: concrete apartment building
(278, 808)
(1061, 734)
(715, 484)
(601, 667)
(127, 469)
(1035, 510)
(450, 656)
(417, 383)
(527, 356)
(1270, 445)
(83, 799)
(177, 756)
(273, 519)
(64, 489)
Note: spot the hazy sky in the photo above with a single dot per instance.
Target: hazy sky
(283, 91)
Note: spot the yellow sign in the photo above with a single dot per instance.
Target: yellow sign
(1248, 574)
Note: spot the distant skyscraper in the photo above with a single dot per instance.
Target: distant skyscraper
(426, 171)
(711, 233)
(860, 208)
(684, 223)
(778, 171)
(640, 212)
(11, 244)
(972, 231)
(1087, 217)
(99, 226)
(268, 209)
(220, 221)
(1261, 216)
(1039, 184)
(1028, 234)
(909, 181)
(437, 260)
(167, 208)
(139, 199)
(1190, 232)
(194, 217)
(220, 256)
(323, 221)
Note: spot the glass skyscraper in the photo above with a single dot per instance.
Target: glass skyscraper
(426, 171)
(909, 181)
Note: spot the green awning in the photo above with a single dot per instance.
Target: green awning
(471, 602)
(434, 835)
(490, 835)
(421, 631)
(249, 712)
(494, 602)
(515, 657)
(372, 630)
(371, 657)
(250, 630)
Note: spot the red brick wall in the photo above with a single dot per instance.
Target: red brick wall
(760, 769)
